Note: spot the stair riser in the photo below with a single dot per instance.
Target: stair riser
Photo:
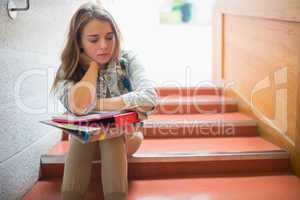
(188, 169)
(183, 169)
(195, 108)
(162, 92)
(164, 131)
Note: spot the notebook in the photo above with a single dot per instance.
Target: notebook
(95, 126)
(93, 116)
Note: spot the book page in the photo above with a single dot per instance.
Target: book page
(92, 116)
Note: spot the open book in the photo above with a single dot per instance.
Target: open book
(97, 125)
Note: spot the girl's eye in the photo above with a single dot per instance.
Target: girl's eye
(110, 36)
(93, 41)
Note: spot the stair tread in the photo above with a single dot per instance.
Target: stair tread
(196, 99)
(211, 85)
(234, 117)
(236, 144)
(195, 104)
(235, 187)
(212, 89)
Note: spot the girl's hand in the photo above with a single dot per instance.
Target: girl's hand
(85, 61)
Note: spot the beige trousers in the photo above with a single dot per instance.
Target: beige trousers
(113, 153)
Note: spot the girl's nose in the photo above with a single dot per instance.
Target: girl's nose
(103, 44)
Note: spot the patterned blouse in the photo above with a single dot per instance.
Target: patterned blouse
(127, 80)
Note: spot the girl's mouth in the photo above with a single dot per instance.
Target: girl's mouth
(103, 54)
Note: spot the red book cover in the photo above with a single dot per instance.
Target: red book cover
(97, 125)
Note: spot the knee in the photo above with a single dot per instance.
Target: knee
(134, 141)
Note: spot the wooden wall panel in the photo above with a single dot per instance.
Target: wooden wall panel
(256, 50)
(263, 53)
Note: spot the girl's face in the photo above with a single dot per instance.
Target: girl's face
(98, 41)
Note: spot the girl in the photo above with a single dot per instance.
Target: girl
(94, 75)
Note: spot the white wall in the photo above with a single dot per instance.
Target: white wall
(172, 54)
(28, 45)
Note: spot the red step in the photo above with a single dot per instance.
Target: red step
(223, 187)
(246, 187)
(186, 157)
(195, 105)
(199, 125)
(50, 190)
(190, 91)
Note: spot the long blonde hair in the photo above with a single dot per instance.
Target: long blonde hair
(69, 68)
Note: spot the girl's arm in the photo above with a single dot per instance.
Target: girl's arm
(82, 95)
(117, 103)
(114, 103)
(143, 98)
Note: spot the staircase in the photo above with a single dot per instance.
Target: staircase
(197, 147)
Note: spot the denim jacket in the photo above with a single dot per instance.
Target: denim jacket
(128, 80)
